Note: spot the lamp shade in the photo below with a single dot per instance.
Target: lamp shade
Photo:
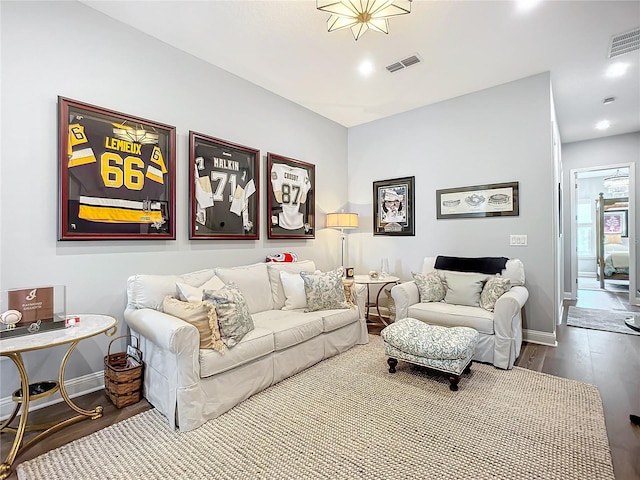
(342, 220)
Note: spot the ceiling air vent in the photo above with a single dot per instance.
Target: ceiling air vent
(624, 43)
(404, 63)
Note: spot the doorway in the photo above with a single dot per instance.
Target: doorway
(603, 237)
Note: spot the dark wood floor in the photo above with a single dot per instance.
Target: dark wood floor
(611, 361)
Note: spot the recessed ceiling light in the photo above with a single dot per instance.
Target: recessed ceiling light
(366, 68)
(617, 69)
(526, 5)
(609, 100)
(603, 124)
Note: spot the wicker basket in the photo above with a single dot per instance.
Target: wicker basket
(122, 382)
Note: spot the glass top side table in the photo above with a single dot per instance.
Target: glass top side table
(383, 282)
(13, 347)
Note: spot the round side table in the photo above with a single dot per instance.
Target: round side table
(383, 282)
(13, 347)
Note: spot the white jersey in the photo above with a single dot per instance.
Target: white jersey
(291, 185)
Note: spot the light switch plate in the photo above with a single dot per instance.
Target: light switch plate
(518, 240)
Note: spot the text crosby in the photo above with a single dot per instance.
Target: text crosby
(290, 176)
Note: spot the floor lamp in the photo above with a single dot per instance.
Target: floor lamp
(343, 221)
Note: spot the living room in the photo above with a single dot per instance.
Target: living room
(503, 133)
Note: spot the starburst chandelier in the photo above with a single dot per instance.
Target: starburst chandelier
(362, 15)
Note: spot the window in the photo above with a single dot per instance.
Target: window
(584, 231)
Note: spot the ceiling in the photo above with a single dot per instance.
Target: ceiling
(465, 46)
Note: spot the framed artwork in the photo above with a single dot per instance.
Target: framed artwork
(223, 189)
(393, 207)
(494, 200)
(291, 197)
(117, 175)
(615, 223)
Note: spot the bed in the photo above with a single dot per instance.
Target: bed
(612, 256)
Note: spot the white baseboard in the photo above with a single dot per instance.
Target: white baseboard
(541, 338)
(567, 296)
(75, 388)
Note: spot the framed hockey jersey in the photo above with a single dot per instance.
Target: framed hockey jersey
(224, 189)
(291, 195)
(117, 175)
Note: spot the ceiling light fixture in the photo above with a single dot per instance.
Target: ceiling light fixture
(609, 100)
(366, 68)
(617, 69)
(362, 15)
(603, 124)
(617, 184)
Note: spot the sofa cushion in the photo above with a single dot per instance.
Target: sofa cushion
(289, 327)
(430, 286)
(492, 291)
(253, 282)
(255, 344)
(149, 291)
(324, 290)
(233, 314)
(293, 286)
(201, 315)
(274, 269)
(440, 313)
(335, 319)
(188, 293)
(463, 288)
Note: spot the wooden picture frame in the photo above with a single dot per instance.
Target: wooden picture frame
(615, 222)
(291, 197)
(224, 189)
(116, 175)
(493, 200)
(393, 207)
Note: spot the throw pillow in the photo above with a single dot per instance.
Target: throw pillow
(492, 291)
(324, 290)
(391, 305)
(295, 296)
(233, 313)
(187, 293)
(463, 288)
(202, 315)
(430, 287)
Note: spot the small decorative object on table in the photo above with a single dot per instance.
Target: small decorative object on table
(123, 374)
(350, 272)
(373, 274)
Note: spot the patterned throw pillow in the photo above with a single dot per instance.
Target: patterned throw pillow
(492, 291)
(233, 313)
(201, 315)
(324, 290)
(430, 287)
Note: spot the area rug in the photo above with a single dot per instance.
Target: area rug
(608, 320)
(348, 418)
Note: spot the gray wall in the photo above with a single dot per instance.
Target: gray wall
(599, 152)
(501, 134)
(68, 49)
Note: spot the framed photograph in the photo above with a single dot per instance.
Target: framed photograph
(393, 207)
(494, 200)
(223, 189)
(615, 223)
(117, 175)
(291, 209)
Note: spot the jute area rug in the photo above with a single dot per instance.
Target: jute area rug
(348, 418)
(608, 320)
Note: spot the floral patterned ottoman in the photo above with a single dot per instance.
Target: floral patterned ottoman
(446, 349)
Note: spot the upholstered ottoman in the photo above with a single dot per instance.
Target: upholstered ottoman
(446, 349)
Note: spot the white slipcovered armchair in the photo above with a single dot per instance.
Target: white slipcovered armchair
(500, 330)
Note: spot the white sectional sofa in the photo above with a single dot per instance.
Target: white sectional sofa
(190, 385)
(500, 330)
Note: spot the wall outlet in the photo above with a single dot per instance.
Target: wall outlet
(518, 240)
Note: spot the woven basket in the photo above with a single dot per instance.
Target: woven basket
(122, 383)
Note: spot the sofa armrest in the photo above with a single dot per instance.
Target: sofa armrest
(169, 336)
(405, 295)
(507, 325)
